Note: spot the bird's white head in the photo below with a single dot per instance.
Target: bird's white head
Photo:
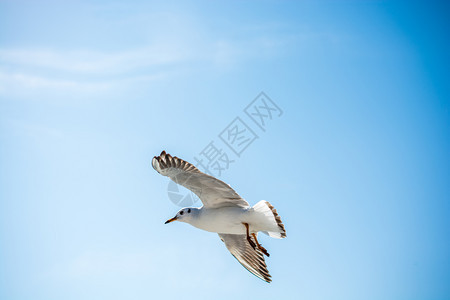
(184, 215)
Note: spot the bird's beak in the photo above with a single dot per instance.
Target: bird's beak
(171, 220)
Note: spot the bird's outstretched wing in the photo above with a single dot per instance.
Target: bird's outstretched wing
(249, 258)
(213, 192)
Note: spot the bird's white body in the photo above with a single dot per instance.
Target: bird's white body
(229, 220)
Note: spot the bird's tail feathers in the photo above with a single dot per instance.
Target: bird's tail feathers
(270, 213)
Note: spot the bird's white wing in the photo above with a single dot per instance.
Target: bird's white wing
(249, 258)
(213, 192)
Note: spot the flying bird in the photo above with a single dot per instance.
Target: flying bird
(224, 212)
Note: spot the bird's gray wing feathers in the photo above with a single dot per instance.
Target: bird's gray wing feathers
(249, 258)
(213, 192)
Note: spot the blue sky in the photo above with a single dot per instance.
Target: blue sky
(357, 165)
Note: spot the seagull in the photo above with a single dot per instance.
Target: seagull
(224, 212)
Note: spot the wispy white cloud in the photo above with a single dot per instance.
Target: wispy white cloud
(177, 44)
(95, 71)
(92, 62)
(20, 79)
(23, 70)
(26, 83)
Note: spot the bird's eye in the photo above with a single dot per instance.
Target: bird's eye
(181, 212)
(189, 210)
